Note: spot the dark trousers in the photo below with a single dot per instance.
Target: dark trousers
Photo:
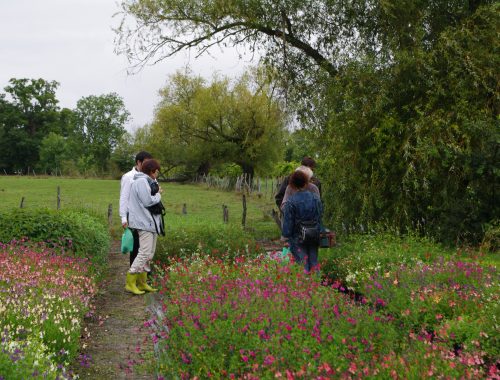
(306, 254)
(135, 251)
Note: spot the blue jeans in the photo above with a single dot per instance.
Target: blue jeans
(305, 253)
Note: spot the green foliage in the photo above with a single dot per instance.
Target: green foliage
(299, 144)
(29, 115)
(228, 170)
(200, 125)
(78, 232)
(124, 153)
(99, 122)
(491, 239)
(54, 151)
(35, 133)
(285, 168)
(414, 144)
(215, 240)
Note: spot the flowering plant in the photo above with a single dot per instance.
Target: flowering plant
(256, 318)
(43, 299)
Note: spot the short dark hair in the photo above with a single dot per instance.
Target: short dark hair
(298, 179)
(150, 166)
(309, 162)
(143, 155)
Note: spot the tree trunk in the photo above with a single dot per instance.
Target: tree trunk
(248, 169)
(203, 169)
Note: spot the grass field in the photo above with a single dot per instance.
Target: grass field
(203, 206)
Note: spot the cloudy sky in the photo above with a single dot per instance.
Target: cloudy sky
(71, 42)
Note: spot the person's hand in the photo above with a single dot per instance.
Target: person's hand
(124, 225)
(160, 190)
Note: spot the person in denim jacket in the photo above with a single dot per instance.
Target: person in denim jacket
(302, 206)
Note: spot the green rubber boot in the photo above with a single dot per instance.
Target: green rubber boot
(142, 283)
(131, 286)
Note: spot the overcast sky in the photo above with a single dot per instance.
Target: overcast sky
(71, 42)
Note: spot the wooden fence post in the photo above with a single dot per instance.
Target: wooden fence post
(244, 218)
(22, 203)
(225, 214)
(110, 214)
(184, 209)
(58, 197)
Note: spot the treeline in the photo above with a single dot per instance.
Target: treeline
(36, 135)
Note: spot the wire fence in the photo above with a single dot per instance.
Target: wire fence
(266, 187)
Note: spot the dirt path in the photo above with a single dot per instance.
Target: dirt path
(116, 331)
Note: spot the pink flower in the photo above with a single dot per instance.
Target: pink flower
(351, 321)
(263, 335)
(353, 368)
(326, 368)
(269, 359)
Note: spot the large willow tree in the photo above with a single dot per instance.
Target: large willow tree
(199, 124)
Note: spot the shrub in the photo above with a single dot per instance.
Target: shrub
(80, 233)
(217, 240)
(491, 239)
(358, 256)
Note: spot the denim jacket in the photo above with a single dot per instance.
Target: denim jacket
(301, 206)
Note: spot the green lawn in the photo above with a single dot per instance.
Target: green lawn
(204, 206)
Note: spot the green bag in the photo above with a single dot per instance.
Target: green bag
(285, 258)
(127, 241)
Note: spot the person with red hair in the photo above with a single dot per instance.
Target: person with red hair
(145, 193)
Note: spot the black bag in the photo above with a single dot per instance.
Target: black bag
(309, 232)
(157, 209)
(155, 187)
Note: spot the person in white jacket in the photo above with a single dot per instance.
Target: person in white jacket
(125, 184)
(142, 220)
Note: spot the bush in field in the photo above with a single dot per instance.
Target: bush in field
(217, 240)
(81, 233)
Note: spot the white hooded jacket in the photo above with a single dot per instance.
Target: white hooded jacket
(140, 197)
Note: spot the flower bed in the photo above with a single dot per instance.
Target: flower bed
(44, 296)
(255, 318)
(456, 302)
(359, 256)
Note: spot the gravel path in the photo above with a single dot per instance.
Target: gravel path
(117, 339)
